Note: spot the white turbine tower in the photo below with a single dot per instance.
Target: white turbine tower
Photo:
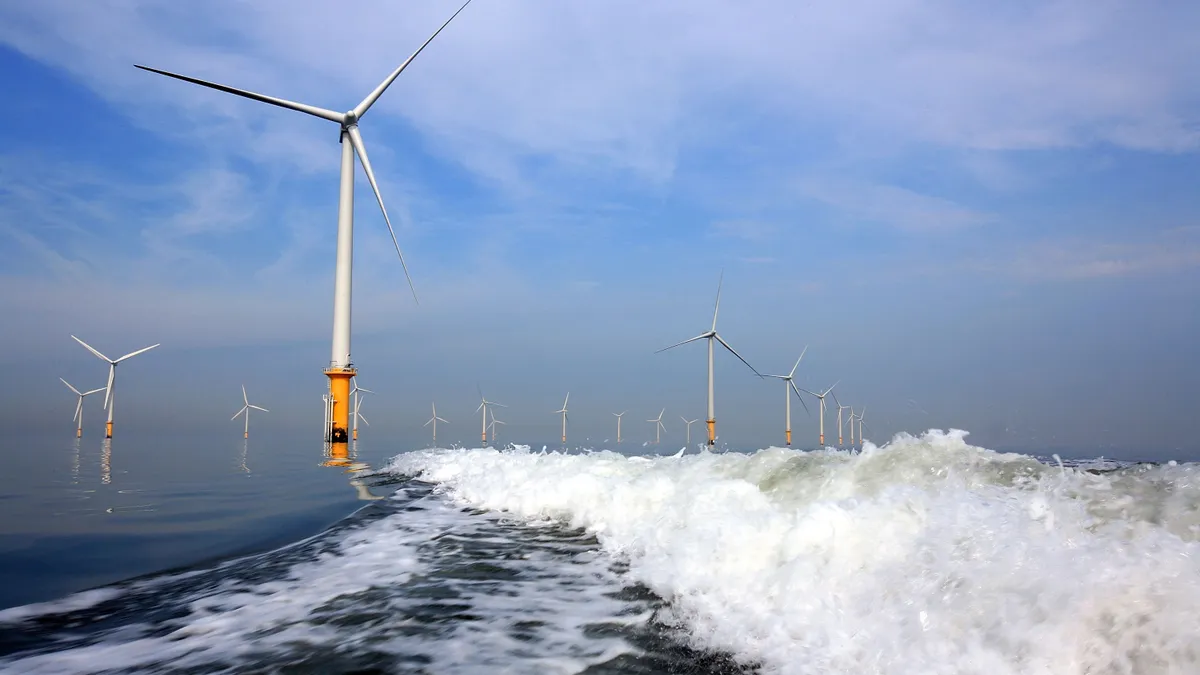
(821, 413)
(78, 418)
(658, 425)
(788, 386)
(618, 416)
(356, 393)
(434, 420)
(484, 406)
(341, 368)
(563, 412)
(712, 335)
(689, 424)
(246, 411)
(112, 374)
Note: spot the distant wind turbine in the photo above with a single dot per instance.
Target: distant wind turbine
(788, 387)
(112, 374)
(851, 423)
(494, 422)
(840, 409)
(78, 418)
(563, 412)
(246, 412)
(483, 406)
(712, 335)
(356, 393)
(618, 416)
(689, 424)
(340, 369)
(821, 414)
(434, 420)
(658, 425)
(861, 424)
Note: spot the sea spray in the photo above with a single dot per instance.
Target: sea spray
(925, 555)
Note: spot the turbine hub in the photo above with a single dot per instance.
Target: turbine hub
(350, 119)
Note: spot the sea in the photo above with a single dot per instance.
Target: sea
(924, 554)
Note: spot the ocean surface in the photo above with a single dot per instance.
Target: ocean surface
(923, 555)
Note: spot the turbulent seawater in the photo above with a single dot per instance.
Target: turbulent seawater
(925, 555)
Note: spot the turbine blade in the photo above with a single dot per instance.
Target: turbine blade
(809, 392)
(835, 398)
(70, 387)
(443, 420)
(698, 337)
(734, 352)
(282, 103)
(362, 108)
(244, 399)
(92, 350)
(832, 386)
(798, 361)
(130, 355)
(364, 419)
(357, 141)
(235, 415)
(78, 408)
(258, 408)
(428, 423)
(112, 374)
(94, 391)
(568, 398)
(481, 406)
(498, 405)
(366, 391)
(717, 307)
(795, 389)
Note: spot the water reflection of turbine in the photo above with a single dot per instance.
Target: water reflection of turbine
(245, 453)
(106, 461)
(75, 462)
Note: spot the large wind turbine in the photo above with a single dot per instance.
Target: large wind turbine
(689, 424)
(711, 335)
(356, 393)
(79, 406)
(434, 420)
(658, 425)
(618, 416)
(563, 412)
(821, 414)
(860, 426)
(484, 406)
(246, 411)
(788, 386)
(341, 368)
(112, 374)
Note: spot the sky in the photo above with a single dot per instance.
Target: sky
(974, 215)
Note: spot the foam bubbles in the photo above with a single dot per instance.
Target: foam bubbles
(926, 555)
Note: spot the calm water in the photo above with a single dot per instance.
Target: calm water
(926, 555)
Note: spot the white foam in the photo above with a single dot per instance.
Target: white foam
(927, 555)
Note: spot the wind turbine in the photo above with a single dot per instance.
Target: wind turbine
(79, 406)
(358, 416)
(341, 368)
(788, 386)
(712, 335)
(840, 409)
(112, 374)
(564, 417)
(618, 416)
(658, 425)
(861, 425)
(357, 392)
(483, 406)
(494, 422)
(821, 414)
(246, 411)
(434, 420)
(689, 424)
(851, 423)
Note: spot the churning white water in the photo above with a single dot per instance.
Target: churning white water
(925, 555)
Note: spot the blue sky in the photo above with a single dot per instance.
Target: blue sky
(978, 216)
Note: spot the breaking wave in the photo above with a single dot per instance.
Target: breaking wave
(925, 555)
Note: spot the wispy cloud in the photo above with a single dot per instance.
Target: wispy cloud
(1081, 260)
(748, 230)
(892, 206)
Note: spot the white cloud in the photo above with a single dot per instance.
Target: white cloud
(894, 206)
